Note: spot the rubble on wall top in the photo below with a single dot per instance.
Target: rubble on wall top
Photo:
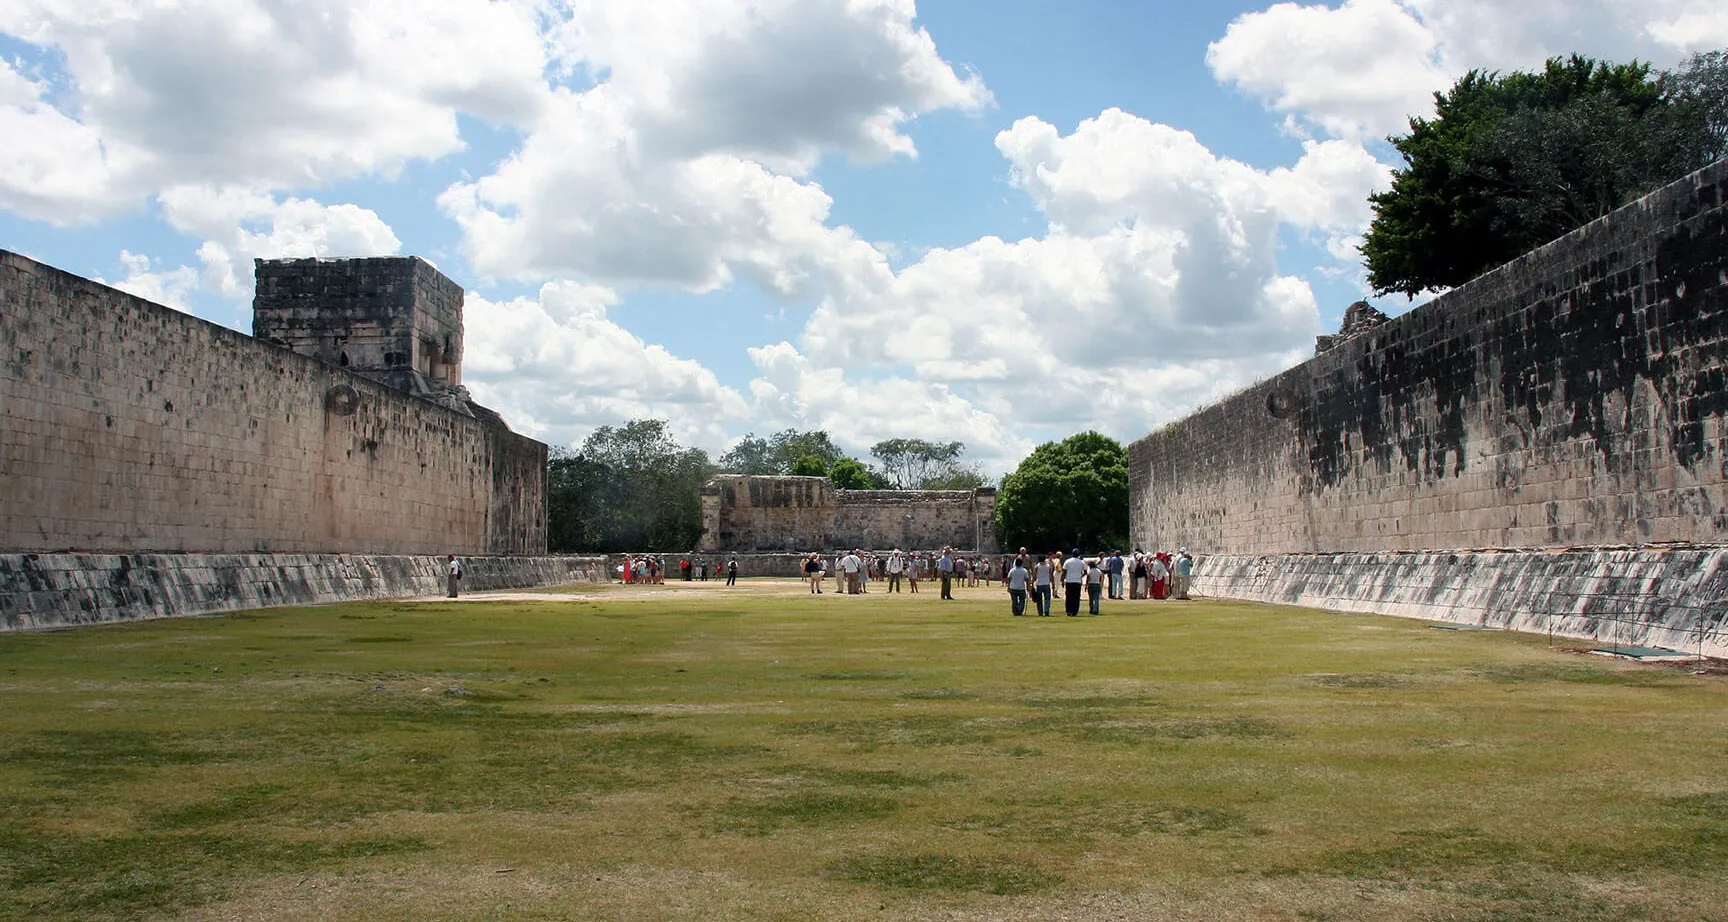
(1359, 318)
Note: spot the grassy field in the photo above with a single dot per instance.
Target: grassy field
(759, 753)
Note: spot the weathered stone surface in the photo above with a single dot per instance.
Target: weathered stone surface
(54, 590)
(1572, 398)
(132, 428)
(393, 319)
(1673, 598)
(1575, 396)
(751, 514)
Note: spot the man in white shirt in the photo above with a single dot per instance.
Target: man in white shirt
(1016, 580)
(1042, 575)
(895, 566)
(1073, 577)
(850, 565)
(455, 575)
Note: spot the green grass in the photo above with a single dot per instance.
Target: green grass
(761, 754)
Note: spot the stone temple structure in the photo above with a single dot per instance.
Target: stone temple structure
(1544, 448)
(156, 464)
(755, 515)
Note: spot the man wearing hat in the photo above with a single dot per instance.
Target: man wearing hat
(895, 566)
(1184, 572)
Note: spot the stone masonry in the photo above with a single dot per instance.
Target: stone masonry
(133, 428)
(1573, 398)
(756, 514)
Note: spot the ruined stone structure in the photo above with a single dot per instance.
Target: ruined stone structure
(1359, 318)
(755, 514)
(131, 428)
(1574, 398)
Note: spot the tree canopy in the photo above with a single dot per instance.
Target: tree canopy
(778, 453)
(628, 488)
(1509, 162)
(1072, 493)
(916, 464)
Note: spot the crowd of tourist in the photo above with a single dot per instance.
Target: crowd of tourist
(1140, 575)
(651, 568)
(1037, 578)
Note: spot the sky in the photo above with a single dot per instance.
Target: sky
(995, 222)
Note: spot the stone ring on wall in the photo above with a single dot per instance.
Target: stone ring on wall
(342, 400)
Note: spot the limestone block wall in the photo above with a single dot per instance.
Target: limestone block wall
(751, 514)
(129, 427)
(1575, 396)
(382, 317)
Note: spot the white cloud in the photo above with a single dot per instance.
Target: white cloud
(682, 165)
(52, 168)
(170, 287)
(256, 93)
(239, 225)
(1358, 69)
(1155, 286)
(790, 390)
(1363, 67)
(557, 367)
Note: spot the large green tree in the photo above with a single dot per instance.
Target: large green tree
(778, 453)
(917, 464)
(628, 488)
(1072, 493)
(1511, 161)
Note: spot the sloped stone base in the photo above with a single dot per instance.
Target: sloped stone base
(1675, 598)
(54, 590)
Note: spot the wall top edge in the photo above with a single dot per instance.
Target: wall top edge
(1456, 300)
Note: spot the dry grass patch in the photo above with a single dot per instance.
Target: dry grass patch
(673, 753)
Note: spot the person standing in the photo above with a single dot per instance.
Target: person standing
(1137, 585)
(1156, 576)
(732, 571)
(453, 575)
(1094, 585)
(1184, 572)
(813, 571)
(913, 564)
(1016, 583)
(628, 570)
(1113, 568)
(896, 566)
(945, 572)
(849, 565)
(1042, 575)
(1073, 577)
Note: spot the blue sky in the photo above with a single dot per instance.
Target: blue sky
(1001, 223)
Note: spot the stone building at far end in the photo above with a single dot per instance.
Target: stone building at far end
(751, 515)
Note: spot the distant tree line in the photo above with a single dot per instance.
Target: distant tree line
(636, 488)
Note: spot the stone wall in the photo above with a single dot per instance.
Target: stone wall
(751, 514)
(55, 590)
(133, 428)
(1574, 397)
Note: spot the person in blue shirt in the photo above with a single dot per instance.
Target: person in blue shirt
(1184, 572)
(945, 570)
(1113, 568)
